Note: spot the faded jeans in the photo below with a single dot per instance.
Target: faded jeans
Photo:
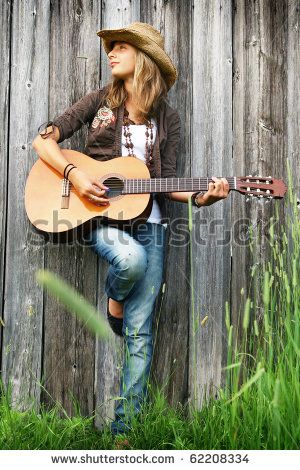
(134, 277)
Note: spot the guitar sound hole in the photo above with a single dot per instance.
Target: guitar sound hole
(115, 186)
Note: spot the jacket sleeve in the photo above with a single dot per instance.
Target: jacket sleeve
(170, 152)
(77, 115)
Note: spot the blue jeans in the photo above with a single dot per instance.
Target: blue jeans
(134, 277)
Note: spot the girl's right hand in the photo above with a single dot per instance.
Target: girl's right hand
(89, 187)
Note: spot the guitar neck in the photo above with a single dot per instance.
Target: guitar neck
(166, 185)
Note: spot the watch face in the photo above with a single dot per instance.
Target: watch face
(45, 129)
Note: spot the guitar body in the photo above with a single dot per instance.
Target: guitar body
(44, 200)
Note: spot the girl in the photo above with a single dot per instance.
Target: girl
(129, 116)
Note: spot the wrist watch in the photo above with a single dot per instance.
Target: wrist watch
(42, 130)
(194, 198)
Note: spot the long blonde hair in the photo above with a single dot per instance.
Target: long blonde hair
(148, 89)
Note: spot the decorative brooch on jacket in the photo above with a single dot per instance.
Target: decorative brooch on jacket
(104, 117)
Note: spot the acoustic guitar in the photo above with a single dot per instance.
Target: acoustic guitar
(53, 204)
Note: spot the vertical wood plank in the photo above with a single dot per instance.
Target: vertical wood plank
(259, 114)
(170, 360)
(211, 156)
(5, 32)
(116, 14)
(69, 349)
(293, 89)
(23, 300)
(109, 355)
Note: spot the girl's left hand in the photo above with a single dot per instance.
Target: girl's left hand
(217, 190)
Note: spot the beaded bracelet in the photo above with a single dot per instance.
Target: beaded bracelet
(70, 170)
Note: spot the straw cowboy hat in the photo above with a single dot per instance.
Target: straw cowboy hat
(147, 39)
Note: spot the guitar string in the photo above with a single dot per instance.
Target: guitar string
(139, 184)
(186, 180)
(142, 184)
(142, 181)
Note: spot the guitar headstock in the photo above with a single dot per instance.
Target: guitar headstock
(262, 187)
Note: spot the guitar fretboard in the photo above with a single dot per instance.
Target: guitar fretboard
(165, 185)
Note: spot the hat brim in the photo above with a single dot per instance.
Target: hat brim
(139, 40)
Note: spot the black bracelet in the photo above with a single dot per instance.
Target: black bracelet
(66, 168)
(194, 197)
(70, 170)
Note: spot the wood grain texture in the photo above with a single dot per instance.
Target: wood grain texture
(292, 92)
(170, 360)
(5, 18)
(260, 139)
(69, 349)
(23, 298)
(238, 98)
(211, 156)
(109, 355)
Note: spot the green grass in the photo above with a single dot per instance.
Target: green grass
(259, 405)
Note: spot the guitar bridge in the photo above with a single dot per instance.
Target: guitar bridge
(65, 194)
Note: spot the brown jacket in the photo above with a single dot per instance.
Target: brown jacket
(104, 142)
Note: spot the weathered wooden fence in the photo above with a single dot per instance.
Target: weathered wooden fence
(238, 96)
